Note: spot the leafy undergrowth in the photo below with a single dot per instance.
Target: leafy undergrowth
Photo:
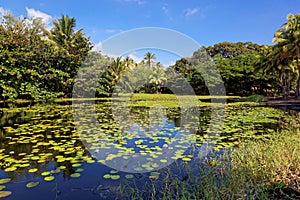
(274, 166)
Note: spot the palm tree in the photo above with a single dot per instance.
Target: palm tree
(287, 48)
(64, 35)
(117, 69)
(149, 57)
(157, 78)
(129, 63)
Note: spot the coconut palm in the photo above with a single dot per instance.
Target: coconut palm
(287, 48)
(117, 68)
(157, 78)
(64, 35)
(149, 57)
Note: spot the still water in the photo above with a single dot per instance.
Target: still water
(44, 155)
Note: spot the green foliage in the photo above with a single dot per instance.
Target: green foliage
(33, 67)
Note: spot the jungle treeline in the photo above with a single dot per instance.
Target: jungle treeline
(40, 63)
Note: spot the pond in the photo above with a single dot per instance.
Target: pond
(45, 154)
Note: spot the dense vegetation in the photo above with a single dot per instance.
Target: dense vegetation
(36, 63)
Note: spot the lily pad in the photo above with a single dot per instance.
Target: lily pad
(129, 176)
(49, 178)
(10, 169)
(45, 173)
(115, 177)
(75, 175)
(32, 184)
(4, 194)
(106, 176)
(4, 180)
(33, 170)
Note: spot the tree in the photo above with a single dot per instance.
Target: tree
(73, 44)
(149, 57)
(287, 49)
(157, 78)
(27, 61)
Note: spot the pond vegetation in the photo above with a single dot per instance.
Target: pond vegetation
(40, 146)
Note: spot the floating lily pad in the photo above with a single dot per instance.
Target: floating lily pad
(129, 176)
(79, 170)
(33, 170)
(49, 178)
(186, 159)
(45, 173)
(10, 169)
(106, 176)
(32, 184)
(75, 175)
(4, 180)
(115, 177)
(4, 194)
(113, 171)
(2, 187)
(76, 165)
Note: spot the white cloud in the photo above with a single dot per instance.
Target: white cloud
(98, 47)
(46, 19)
(172, 62)
(166, 11)
(191, 11)
(133, 56)
(3, 12)
(113, 30)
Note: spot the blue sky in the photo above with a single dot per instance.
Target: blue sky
(206, 21)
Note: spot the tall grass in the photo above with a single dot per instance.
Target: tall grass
(261, 169)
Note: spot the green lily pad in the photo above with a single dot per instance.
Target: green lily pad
(4, 180)
(106, 176)
(10, 169)
(33, 170)
(45, 173)
(79, 170)
(2, 187)
(4, 194)
(49, 178)
(129, 176)
(113, 171)
(76, 165)
(115, 177)
(32, 184)
(75, 175)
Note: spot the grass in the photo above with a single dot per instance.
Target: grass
(261, 169)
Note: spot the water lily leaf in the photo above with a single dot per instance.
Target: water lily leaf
(45, 173)
(32, 184)
(49, 178)
(2, 187)
(10, 169)
(115, 177)
(76, 165)
(113, 171)
(75, 175)
(106, 176)
(33, 170)
(79, 170)
(186, 159)
(129, 176)
(4, 180)
(4, 194)
(163, 160)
